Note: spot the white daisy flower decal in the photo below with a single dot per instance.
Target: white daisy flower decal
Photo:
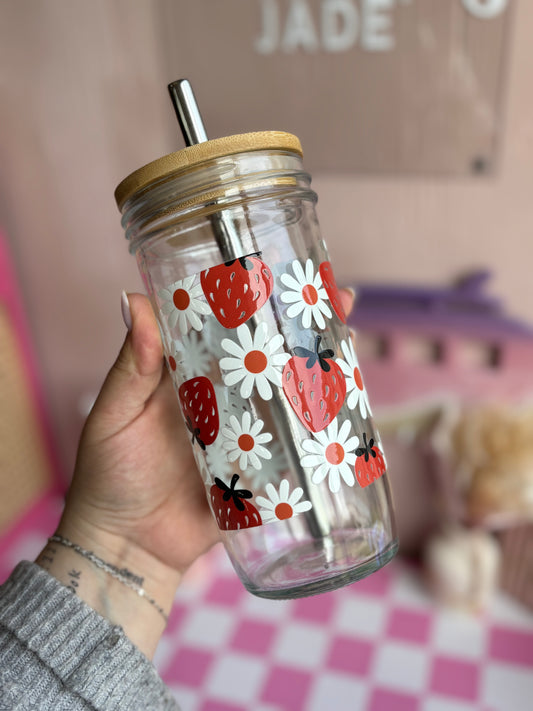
(331, 454)
(193, 354)
(212, 333)
(355, 389)
(254, 361)
(181, 304)
(173, 356)
(244, 441)
(281, 504)
(271, 469)
(229, 403)
(216, 460)
(305, 294)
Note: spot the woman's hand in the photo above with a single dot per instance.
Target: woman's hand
(136, 498)
(135, 474)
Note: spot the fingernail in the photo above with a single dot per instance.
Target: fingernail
(125, 308)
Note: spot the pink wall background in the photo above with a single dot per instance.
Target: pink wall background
(83, 102)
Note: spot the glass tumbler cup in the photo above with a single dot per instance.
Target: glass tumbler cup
(263, 363)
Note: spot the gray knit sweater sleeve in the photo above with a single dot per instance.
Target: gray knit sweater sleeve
(57, 653)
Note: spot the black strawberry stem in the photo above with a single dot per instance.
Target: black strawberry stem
(195, 431)
(230, 492)
(244, 261)
(367, 450)
(315, 355)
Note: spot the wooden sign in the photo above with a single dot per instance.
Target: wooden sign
(369, 86)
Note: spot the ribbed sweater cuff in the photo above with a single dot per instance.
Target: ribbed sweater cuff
(92, 657)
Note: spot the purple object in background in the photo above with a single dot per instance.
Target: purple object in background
(414, 341)
(463, 307)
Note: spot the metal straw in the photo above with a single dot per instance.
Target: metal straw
(187, 111)
(228, 239)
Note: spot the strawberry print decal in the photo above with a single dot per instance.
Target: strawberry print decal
(305, 294)
(229, 366)
(370, 463)
(330, 285)
(236, 290)
(199, 407)
(314, 386)
(230, 508)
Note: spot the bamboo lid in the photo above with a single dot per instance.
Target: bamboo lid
(187, 158)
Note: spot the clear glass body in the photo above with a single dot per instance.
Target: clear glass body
(269, 386)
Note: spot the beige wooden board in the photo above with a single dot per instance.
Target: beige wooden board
(24, 468)
(420, 95)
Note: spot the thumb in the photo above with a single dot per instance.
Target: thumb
(136, 372)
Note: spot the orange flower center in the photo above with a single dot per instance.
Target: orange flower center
(246, 442)
(181, 299)
(358, 378)
(334, 453)
(172, 362)
(255, 361)
(283, 511)
(310, 294)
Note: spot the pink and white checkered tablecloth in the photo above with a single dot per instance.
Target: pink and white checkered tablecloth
(378, 645)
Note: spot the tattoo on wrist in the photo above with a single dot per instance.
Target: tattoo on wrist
(75, 576)
(125, 576)
(47, 557)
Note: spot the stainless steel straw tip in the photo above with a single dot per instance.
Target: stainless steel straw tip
(187, 111)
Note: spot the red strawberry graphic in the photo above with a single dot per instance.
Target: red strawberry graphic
(199, 406)
(332, 290)
(314, 385)
(230, 509)
(237, 289)
(370, 463)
